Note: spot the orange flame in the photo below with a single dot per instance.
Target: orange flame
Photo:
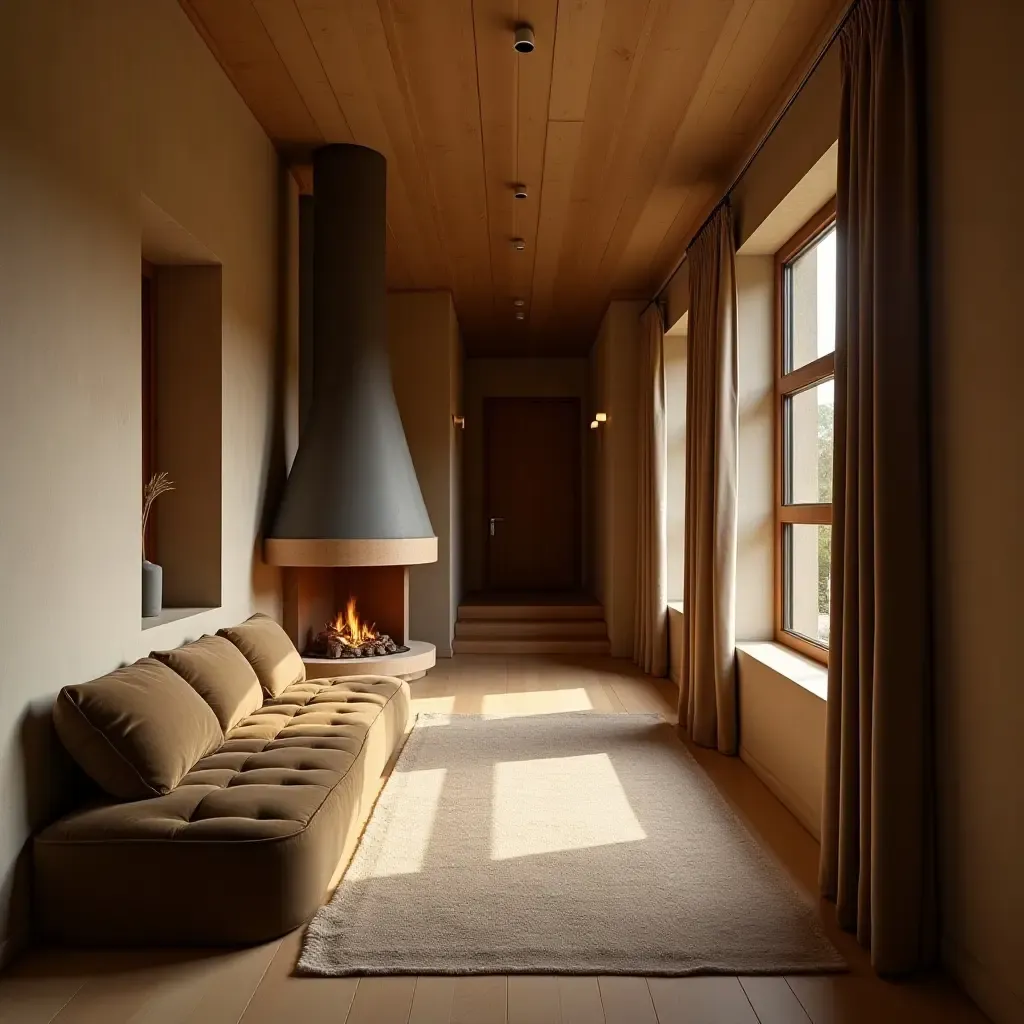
(351, 629)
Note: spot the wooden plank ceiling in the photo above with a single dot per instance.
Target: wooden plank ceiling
(626, 122)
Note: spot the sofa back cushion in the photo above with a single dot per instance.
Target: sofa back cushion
(138, 730)
(269, 650)
(216, 669)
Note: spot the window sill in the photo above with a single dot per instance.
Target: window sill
(810, 675)
(172, 615)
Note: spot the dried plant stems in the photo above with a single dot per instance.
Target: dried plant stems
(159, 483)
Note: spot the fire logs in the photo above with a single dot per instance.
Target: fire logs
(332, 643)
(348, 637)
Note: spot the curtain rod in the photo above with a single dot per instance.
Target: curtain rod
(806, 77)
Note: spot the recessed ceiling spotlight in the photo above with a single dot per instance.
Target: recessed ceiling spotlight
(519, 244)
(520, 192)
(519, 302)
(524, 38)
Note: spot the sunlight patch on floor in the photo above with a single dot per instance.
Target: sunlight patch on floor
(555, 804)
(424, 788)
(537, 702)
(429, 705)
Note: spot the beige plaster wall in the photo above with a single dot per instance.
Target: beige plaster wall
(613, 366)
(816, 188)
(676, 295)
(102, 104)
(675, 430)
(977, 214)
(800, 140)
(514, 378)
(755, 306)
(456, 450)
(189, 375)
(423, 336)
(798, 146)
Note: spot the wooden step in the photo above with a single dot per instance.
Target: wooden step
(528, 629)
(533, 612)
(552, 645)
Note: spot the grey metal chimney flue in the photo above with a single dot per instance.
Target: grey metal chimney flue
(352, 497)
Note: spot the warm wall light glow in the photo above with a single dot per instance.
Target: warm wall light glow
(559, 803)
(594, 425)
(423, 792)
(601, 417)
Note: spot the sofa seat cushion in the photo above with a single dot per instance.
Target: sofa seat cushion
(269, 650)
(218, 671)
(243, 849)
(137, 730)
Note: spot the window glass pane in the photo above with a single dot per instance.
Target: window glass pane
(808, 445)
(807, 555)
(811, 303)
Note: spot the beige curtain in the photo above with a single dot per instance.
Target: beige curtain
(707, 697)
(877, 854)
(650, 629)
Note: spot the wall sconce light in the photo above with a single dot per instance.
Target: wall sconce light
(459, 421)
(594, 425)
(601, 417)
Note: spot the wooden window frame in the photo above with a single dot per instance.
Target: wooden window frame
(786, 385)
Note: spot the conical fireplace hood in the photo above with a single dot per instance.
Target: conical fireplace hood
(352, 497)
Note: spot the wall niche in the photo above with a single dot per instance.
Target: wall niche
(183, 420)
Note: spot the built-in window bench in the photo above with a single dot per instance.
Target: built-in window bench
(782, 725)
(782, 718)
(676, 632)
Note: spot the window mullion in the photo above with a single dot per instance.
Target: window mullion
(811, 515)
(808, 375)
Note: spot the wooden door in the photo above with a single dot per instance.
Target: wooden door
(532, 474)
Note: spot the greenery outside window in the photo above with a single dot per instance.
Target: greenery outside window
(805, 404)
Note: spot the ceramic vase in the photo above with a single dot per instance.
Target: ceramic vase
(152, 589)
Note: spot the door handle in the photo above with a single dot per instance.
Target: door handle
(495, 519)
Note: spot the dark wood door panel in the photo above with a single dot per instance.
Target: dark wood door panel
(532, 486)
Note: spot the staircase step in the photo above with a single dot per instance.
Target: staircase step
(528, 629)
(532, 612)
(568, 645)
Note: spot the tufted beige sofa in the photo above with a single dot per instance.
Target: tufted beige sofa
(237, 844)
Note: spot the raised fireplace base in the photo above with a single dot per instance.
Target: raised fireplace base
(410, 664)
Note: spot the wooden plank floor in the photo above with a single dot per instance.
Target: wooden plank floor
(256, 986)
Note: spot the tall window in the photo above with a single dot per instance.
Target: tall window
(805, 403)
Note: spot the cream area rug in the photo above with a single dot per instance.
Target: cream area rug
(567, 843)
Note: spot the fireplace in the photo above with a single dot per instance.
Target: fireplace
(349, 636)
(316, 597)
(352, 518)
